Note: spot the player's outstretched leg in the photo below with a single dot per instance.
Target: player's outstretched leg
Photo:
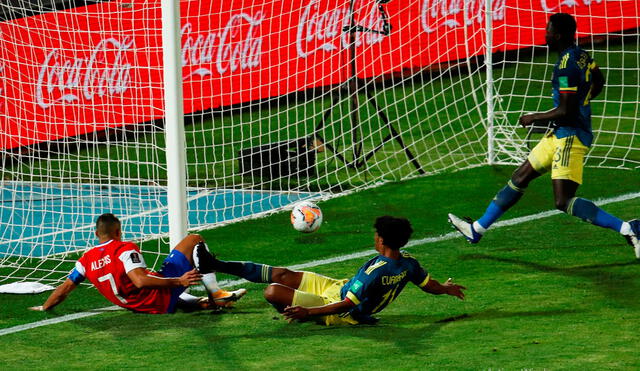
(634, 238)
(465, 227)
(254, 272)
(283, 281)
(508, 196)
(204, 262)
(586, 210)
(590, 213)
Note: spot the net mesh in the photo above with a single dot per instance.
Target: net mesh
(284, 101)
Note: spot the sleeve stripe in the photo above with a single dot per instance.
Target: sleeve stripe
(426, 280)
(513, 186)
(80, 268)
(349, 300)
(76, 277)
(351, 296)
(569, 88)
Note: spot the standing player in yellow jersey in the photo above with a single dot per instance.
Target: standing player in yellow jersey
(576, 80)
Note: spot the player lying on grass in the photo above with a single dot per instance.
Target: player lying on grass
(576, 80)
(307, 295)
(119, 272)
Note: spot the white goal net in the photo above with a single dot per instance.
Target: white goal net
(284, 100)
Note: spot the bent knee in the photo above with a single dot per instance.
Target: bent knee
(524, 175)
(271, 292)
(187, 245)
(193, 239)
(275, 295)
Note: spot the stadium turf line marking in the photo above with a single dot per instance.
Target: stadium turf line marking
(444, 237)
(46, 322)
(315, 263)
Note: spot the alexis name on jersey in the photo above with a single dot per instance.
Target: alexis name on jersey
(100, 263)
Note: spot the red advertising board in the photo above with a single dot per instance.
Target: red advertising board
(82, 70)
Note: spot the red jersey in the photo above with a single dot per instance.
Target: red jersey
(106, 266)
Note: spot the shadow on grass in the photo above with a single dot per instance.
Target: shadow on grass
(245, 338)
(403, 334)
(141, 325)
(491, 314)
(615, 286)
(310, 239)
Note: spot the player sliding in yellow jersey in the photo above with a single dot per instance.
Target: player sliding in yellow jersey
(300, 295)
(576, 80)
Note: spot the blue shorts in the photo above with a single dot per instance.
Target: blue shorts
(175, 265)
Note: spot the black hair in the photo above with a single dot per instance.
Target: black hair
(395, 232)
(565, 25)
(106, 224)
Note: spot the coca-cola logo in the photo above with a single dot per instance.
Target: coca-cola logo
(234, 47)
(457, 13)
(567, 3)
(104, 72)
(323, 31)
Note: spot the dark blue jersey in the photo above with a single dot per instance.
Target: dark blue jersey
(379, 281)
(572, 75)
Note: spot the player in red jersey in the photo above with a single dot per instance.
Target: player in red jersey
(118, 271)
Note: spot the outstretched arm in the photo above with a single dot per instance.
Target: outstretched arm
(436, 288)
(301, 313)
(141, 278)
(57, 296)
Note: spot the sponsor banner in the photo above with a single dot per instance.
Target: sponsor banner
(86, 69)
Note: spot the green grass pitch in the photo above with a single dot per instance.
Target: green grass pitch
(553, 293)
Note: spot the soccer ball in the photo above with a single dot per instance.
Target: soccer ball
(306, 217)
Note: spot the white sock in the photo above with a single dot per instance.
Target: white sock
(478, 228)
(188, 298)
(625, 229)
(210, 282)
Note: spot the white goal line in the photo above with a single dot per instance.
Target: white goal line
(315, 263)
(444, 237)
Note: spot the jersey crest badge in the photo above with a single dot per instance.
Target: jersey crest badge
(563, 81)
(356, 286)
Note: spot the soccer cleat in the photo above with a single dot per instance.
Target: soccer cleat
(465, 227)
(634, 239)
(204, 304)
(227, 299)
(203, 260)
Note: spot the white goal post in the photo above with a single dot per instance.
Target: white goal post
(186, 115)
